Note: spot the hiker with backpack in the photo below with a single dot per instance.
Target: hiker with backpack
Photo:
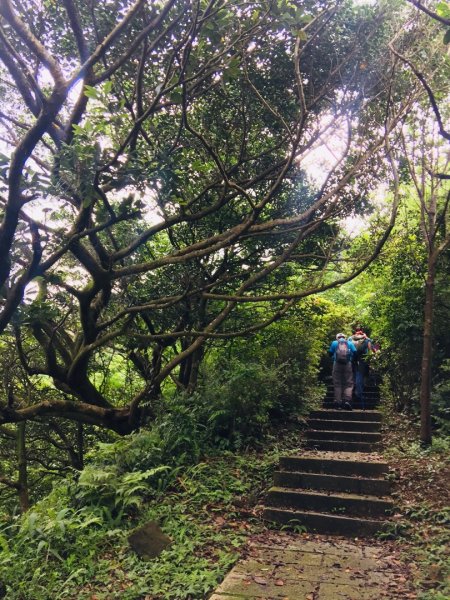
(343, 352)
(364, 347)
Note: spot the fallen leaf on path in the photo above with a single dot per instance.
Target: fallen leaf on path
(260, 580)
(279, 582)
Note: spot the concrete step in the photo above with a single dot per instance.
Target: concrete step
(325, 523)
(334, 446)
(340, 424)
(337, 483)
(346, 415)
(333, 467)
(337, 435)
(336, 503)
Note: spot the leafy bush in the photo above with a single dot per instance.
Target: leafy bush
(239, 398)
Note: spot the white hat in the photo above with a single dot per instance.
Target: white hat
(340, 335)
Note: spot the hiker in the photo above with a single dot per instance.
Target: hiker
(342, 351)
(363, 346)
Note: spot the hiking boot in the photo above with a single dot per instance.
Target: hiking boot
(347, 406)
(338, 405)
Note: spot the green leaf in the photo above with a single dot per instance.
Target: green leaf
(77, 129)
(90, 92)
(107, 87)
(443, 10)
(4, 544)
(87, 201)
(302, 35)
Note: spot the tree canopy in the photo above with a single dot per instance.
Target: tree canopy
(156, 180)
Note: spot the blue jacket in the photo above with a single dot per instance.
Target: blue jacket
(351, 347)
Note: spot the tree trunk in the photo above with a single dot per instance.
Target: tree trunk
(195, 368)
(80, 445)
(427, 355)
(22, 462)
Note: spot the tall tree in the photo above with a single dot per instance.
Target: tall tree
(423, 152)
(427, 160)
(155, 180)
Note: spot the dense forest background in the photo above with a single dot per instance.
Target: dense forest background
(195, 197)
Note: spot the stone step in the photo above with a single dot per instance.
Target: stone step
(338, 435)
(355, 405)
(337, 503)
(337, 483)
(372, 426)
(372, 397)
(333, 467)
(325, 523)
(346, 415)
(335, 446)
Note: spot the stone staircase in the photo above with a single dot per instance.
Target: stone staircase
(371, 395)
(338, 484)
(351, 431)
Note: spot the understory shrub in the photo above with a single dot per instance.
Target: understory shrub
(239, 399)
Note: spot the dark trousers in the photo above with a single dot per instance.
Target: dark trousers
(362, 371)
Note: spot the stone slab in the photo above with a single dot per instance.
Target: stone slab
(330, 591)
(264, 586)
(278, 557)
(283, 567)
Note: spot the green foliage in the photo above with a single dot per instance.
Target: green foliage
(68, 546)
(294, 525)
(246, 384)
(112, 490)
(240, 396)
(393, 530)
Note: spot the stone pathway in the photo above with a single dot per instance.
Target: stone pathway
(286, 566)
(336, 484)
